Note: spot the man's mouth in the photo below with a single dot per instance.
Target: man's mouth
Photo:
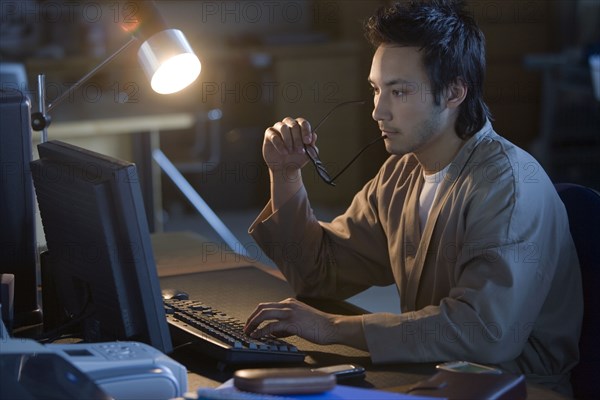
(387, 132)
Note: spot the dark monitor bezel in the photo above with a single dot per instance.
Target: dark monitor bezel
(99, 246)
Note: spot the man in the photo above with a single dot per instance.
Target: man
(466, 224)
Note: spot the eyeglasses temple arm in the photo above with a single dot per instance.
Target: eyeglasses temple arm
(355, 157)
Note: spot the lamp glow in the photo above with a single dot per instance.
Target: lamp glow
(169, 61)
(175, 74)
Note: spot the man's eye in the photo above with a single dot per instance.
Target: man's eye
(397, 93)
(374, 90)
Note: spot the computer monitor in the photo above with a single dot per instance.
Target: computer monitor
(99, 250)
(18, 255)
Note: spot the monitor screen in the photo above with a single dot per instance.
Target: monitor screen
(99, 250)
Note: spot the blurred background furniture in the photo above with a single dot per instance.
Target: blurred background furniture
(568, 144)
(568, 139)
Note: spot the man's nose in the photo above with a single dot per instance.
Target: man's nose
(380, 110)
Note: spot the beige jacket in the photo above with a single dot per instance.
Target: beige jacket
(493, 278)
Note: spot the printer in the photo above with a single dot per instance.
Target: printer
(109, 370)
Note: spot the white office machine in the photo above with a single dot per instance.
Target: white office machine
(119, 370)
(127, 370)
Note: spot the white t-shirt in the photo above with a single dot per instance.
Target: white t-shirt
(432, 182)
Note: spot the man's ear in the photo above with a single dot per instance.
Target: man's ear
(456, 93)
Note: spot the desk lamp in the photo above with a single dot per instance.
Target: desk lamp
(165, 56)
(170, 65)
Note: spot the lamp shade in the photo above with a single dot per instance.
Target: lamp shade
(169, 61)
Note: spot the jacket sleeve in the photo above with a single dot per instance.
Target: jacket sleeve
(330, 260)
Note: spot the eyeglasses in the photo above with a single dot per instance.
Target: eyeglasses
(313, 154)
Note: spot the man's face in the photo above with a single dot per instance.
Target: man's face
(404, 104)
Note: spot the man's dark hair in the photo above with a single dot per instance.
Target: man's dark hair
(452, 45)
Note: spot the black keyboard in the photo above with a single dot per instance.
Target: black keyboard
(222, 337)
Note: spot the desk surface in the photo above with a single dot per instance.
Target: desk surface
(235, 286)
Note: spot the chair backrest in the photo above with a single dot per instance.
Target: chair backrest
(583, 208)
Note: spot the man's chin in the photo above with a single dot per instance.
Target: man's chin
(395, 150)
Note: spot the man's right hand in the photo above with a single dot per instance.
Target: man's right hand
(283, 151)
(283, 145)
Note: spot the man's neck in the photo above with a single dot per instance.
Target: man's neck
(440, 151)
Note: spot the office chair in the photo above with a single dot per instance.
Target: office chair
(583, 209)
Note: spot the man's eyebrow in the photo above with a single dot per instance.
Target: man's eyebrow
(392, 82)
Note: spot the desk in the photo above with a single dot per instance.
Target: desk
(235, 285)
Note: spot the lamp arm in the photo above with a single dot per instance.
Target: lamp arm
(40, 120)
(87, 76)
